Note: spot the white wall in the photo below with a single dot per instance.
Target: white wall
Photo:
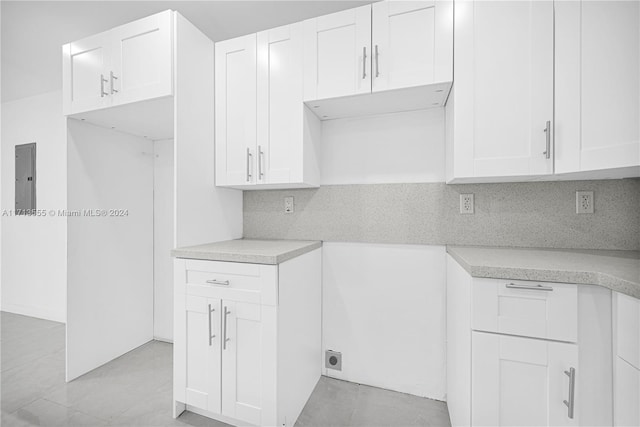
(387, 148)
(110, 259)
(163, 240)
(384, 309)
(34, 249)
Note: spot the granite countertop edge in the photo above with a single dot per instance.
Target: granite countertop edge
(575, 276)
(253, 257)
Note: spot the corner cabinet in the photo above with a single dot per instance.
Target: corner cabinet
(527, 353)
(247, 339)
(130, 63)
(265, 136)
(398, 53)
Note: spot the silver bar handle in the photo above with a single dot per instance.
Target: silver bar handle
(547, 130)
(102, 82)
(211, 337)
(248, 165)
(529, 287)
(112, 77)
(364, 62)
(218, 282)
(224, 329)
(377, 67)
(260, 160)
(571, 373)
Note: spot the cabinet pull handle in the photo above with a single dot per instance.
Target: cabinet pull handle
(571, 373)
(218, 282)
(364, 63)
(112, 77)
(529, 287)
(211, 337)
(248, 165)
(547, 130)
(102, 82)
(260, 160)
(377, 67)
(224, 329)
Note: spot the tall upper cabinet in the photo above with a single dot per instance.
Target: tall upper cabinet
(265, 136)
(129, 63)
(544, 90)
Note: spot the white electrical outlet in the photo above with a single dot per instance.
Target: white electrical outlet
(288, 204)
(466, 203)
(584, 202)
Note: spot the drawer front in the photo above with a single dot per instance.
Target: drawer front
(628, 326)
(254, 283)
(530, 309)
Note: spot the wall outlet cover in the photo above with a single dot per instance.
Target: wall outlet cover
(584, 202)
(288, 204)
(466, 203)
(333, 360)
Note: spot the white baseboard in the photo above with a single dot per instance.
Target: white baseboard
(37, 312)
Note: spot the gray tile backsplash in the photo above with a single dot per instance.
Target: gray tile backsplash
(540, 214)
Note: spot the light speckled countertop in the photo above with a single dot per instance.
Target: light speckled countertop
(616, 270)
(249, 251)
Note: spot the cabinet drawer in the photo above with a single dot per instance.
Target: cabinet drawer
(531, 309)
(255, 283)
(628, 326)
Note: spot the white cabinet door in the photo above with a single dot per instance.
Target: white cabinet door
(626, 395)
(235, 112)
(503, 92)
(403, 44)
(280, 107)
(248, 358)
(521, 381)
(86, 74)
(338, 54)
(628, 329)
(142, 59)
(598, 88)
(203, 353)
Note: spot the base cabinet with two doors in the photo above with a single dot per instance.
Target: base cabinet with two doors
(129, 63)
(527, 353)
(247, 339)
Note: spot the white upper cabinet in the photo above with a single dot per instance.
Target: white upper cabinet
(85, 62)
(235, 111)
(141, 59)
(397, 53)
(127, 64)
(265, 136)
(338, 54)
(597, 85)
(500, 113)
(409, 44)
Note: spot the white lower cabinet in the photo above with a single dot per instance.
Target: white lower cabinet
(527, 353)
(520, 381)
(237, 356)
(627, 361)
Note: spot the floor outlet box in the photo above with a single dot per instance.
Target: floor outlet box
(333, 360)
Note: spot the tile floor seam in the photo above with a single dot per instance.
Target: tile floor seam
(73, 409)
